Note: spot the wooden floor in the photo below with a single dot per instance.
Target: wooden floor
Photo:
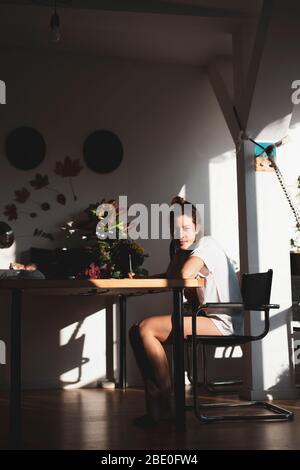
(102, 419)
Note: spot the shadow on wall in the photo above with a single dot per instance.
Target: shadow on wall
(71, 356)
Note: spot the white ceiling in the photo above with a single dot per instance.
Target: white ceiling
(162, 37)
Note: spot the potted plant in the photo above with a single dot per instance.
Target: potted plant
(105, 258)
(295, 257)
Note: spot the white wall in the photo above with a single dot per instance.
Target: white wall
(172, 130)
(270, 363)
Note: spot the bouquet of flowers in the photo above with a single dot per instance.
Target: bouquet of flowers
(107, 256)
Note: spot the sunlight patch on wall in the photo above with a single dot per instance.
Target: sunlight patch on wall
(182, 192)
(223, 203)
(233, 352)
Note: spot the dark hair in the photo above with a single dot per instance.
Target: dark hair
(185, 207)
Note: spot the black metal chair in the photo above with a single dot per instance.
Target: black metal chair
(224, 386)
(256, 290)
(212, 386)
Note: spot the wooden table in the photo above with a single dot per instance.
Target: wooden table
(123, 288)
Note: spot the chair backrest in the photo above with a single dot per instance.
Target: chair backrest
(256, 288)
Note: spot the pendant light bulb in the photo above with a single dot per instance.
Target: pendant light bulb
(55, 34)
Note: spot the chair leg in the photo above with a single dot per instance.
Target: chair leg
(213, 386)
(279, 413)
(195, 371)
(189, 375)
(194, 377)
(204, 364)
(210, 386)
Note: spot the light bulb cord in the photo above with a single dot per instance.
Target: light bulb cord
(269, 152)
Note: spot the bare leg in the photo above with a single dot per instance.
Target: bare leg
(148, 353)
(147, 339)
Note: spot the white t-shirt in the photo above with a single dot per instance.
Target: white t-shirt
(221, 285)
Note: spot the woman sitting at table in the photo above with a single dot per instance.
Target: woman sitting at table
(196, 256)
